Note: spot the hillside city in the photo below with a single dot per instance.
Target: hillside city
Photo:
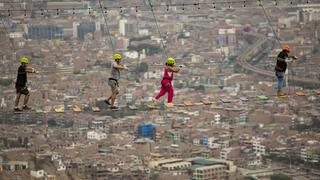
(226, 123)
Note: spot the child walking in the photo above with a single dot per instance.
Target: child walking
(166, 85)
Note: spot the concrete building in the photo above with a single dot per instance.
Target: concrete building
(96, 135)
(41, 31)
(122, 26)
(16, 165)
(258, 148)
(217, 119)
(37, 174)
(159, 163)
(64, 69)
(128, 97)
(75, 29)
(308, 14)
(213, 172)
(3, 104)
(176, 166)
(126, 27)
(61, 166)
(81, 29)
(98, 125)
(212, 144)
(16, 35)
(227, 37)
(224, 153)
(309, 155)
(212, 169)
(50, 177)
(175, 137)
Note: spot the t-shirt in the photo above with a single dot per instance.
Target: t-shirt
(115, 72)
(21, 77)
(281, 65)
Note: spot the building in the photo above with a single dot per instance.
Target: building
(50, 177)
(37, 174)
(227, 37)
(75, 29)
(212, 169)
(3, 104)
(224, 153)
(98, 125)
(120, 126)
(122, 27)
(81, 29)
(147, 131)
(258, 148)
(309, 155)
(212, 144)
(96, 135)
(217, 119)
(308, 14)
(63, 69)
(209, 172)
(44, 32)
(196, 141)
(127, 27)
(81, 123)
(159, 163)
(122, 43)
(15, 35)
(16, 165)
(175, 137)
(128, 97)
(61, 166)
(196, 58)
(66, 5)
(176, 166)
(205, 140)
(199, 168)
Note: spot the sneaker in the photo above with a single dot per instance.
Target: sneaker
(154, 100)
(107, 102)
(17, 109)
(25, 107)
(170, 105)
(114, 108)
(280, 93)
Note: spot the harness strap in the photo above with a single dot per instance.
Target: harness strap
(113, 79)
(167, 79)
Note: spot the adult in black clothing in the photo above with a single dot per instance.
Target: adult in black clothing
(21, 84)
(281, 67)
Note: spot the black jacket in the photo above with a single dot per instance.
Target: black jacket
(281, 65)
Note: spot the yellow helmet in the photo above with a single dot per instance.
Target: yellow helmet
(171, 61)
(117, 56)
(24, 60)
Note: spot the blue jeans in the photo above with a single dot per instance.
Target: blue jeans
(280, 77)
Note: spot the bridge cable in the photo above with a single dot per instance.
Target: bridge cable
(107, 27)
(164, 52)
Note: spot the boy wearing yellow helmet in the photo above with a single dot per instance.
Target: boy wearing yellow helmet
(21, 82)
(116, 66)
(166, 85)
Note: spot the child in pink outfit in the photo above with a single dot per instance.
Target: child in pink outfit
(166, 85)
